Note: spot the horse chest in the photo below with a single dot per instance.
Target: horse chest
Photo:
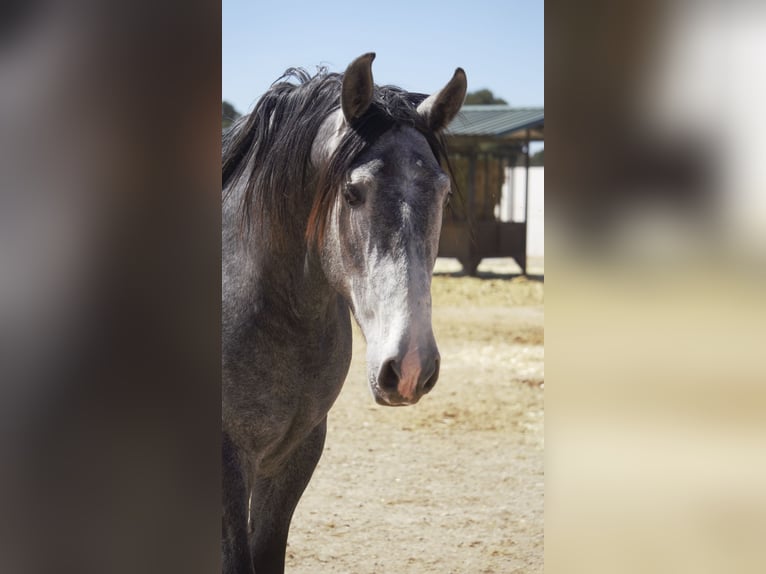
(302, 396)
(279, 388)
(318, 378)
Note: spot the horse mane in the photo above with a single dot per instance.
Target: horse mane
(271, 148)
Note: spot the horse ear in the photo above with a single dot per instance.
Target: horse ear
(440, 109)
(356, 94)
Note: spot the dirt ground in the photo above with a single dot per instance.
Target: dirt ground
(455, 483)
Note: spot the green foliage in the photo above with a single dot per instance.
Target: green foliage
(483, 97)
(229, 114)
(537, 158)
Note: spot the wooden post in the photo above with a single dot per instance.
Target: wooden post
(526, 180)
(526, 205)
(472, 262)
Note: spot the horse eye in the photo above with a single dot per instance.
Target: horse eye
(447, 199)
(352, 195)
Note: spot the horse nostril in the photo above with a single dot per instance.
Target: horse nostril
(430, 381)
(389, 376)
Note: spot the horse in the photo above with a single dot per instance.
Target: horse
(332, 201)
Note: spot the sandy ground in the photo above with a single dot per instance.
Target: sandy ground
(455, 483)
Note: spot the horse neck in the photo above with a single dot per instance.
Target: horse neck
(294, 278)
(279, 266)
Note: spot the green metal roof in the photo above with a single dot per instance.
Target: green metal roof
(496, 120)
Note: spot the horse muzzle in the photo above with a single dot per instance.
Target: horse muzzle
(403, 380)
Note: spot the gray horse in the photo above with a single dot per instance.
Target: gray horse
(333, 193)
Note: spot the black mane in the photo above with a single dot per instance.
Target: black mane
(271, 147)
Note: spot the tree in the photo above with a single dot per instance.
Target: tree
(537, 158)
(483, 97)
(229, 114)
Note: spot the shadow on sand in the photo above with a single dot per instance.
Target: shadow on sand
(539, 278)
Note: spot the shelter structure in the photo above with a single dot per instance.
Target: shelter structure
(483, 140)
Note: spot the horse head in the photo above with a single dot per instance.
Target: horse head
(380, 234)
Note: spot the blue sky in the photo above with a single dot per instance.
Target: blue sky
(419, 44)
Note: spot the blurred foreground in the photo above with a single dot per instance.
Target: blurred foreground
(655, 246)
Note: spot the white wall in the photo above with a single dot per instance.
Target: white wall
(511, 206)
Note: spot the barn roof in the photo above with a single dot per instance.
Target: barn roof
(498, 121)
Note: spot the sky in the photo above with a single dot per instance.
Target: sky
(419, 43)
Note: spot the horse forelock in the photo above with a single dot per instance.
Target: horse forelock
(270, 150)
